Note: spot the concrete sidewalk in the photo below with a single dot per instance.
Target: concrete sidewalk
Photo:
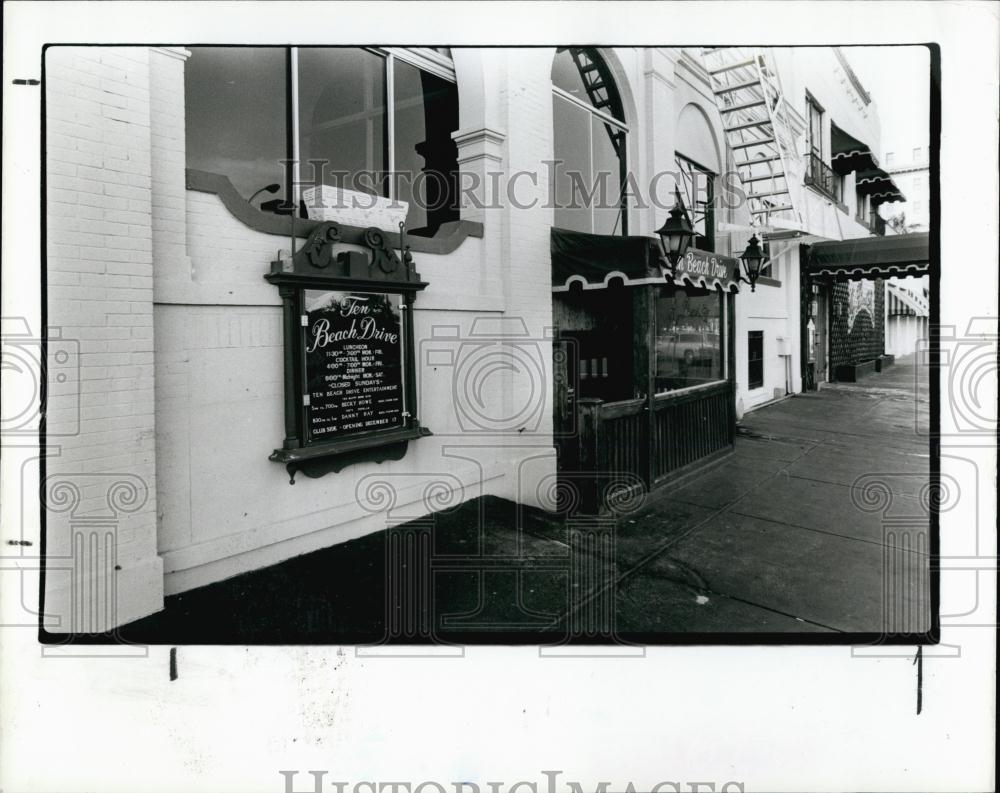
(814, 524)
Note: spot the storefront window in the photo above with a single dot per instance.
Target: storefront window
(355, 122)
(229, 91)
(589, 137)
(688, 339)
(342, 117)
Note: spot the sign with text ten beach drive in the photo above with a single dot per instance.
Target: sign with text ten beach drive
(353, 363)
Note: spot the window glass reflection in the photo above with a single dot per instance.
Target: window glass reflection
(688, 339)
(697, 186)
(426, 113)
(342, 117)
(571, 146)
(566, 75)
(589, 151)
(235, 108)
(607, 176)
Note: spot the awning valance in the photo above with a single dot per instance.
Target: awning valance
(597, 261)
(895, 255)
(848, 153)
(878, 184)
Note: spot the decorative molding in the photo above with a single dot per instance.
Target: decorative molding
(479, 142)
(449, 237)
(318, 461)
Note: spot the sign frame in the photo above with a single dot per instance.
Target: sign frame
(317, 266)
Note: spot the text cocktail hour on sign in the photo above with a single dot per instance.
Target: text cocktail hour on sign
(353, 363)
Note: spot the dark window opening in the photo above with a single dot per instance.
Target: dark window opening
(755, 359)
(815, 129)
(426, 113)
(697, 186)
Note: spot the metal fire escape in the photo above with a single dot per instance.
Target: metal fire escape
(759, 133)
(599, 85)
(595, 82)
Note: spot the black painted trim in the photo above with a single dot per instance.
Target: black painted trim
(449, 237)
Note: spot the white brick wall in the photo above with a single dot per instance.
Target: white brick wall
(100, 293)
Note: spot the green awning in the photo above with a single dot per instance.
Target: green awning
(895, 255)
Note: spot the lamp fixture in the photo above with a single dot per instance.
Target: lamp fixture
(270, 188)
(675, 235)
(752, 260)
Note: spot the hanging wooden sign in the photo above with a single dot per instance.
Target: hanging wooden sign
(350, 394)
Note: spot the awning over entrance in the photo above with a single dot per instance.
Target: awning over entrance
(848, 153)
(597, 261)
(871, 257)
(879, 185)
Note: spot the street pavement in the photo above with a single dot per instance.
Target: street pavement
(816, 524)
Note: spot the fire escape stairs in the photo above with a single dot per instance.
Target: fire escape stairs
(595, 83)
(758, 132)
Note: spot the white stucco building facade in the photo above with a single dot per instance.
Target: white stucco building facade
(156, 265)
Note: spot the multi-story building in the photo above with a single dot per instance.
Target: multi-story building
(245, 321)
(910, 170)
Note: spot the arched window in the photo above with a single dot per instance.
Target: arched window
(589, 141)
(696, 158)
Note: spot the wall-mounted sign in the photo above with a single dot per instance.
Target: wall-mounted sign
(350, 394)
(353, 363)
(698, 264)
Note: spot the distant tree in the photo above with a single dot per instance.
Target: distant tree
(898, 223)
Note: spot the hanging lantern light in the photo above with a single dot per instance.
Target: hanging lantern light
(675, 235)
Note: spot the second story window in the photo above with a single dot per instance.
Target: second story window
(819, 174)
(697, 186)
(862, 202)
(377, 121)
(815, 129)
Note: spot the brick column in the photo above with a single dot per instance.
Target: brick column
(168, 160)
(100, 489)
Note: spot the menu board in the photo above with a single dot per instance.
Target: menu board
(353, 363)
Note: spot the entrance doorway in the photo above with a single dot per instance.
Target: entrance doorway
(818, 337)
